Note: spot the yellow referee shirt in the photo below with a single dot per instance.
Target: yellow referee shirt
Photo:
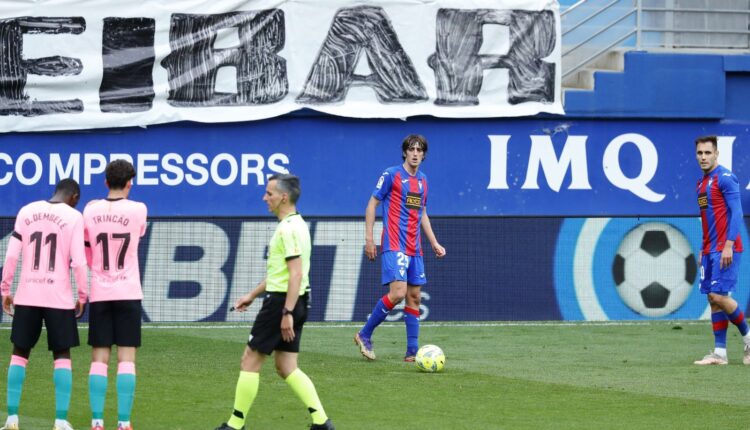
(291, 239)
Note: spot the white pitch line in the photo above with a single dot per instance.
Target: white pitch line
(212, 326)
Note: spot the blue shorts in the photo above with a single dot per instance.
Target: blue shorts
(716, 280)
(398, 266)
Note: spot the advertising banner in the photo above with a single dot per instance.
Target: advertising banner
(94, 64)
(507, 269)
(477, 167)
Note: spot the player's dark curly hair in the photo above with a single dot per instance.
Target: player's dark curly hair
(411, 140)
(68, 187)
(118, 173)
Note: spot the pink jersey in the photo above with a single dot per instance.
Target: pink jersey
(49, 238)
(113, 228)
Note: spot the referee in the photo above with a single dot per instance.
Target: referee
(278, 326)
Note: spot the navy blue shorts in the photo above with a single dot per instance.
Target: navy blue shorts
(398, 266)
(716, 280)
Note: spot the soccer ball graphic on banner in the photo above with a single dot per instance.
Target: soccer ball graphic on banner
(654, 269)
(430, 358)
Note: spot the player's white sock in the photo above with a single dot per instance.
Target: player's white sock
(746, 338)
(97, 422)
(123, 424)
(722, 352)
(12, 419)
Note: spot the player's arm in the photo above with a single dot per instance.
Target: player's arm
(427, 228)
(144, 217)
(9, 271)
(370, 249)
(87, 247)
(730, 188)
(78, 262)
(294, 265)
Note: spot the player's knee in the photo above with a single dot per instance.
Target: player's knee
(63, 353)
(397, 296)
(413, 302)
(719, 302)
(21, 352)
(711, 299)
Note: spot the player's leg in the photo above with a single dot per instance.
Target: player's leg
(62, 335)
(16, 377)
(416, 278)
(98, 385)
(709, 285)
(63, 379)
(127, 337)
(125, 385)
(411, 320)
(394, 266)
(727, 284)
(101, 339)
(730, 311)
(25, 332)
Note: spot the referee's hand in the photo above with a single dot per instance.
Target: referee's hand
(287, 328)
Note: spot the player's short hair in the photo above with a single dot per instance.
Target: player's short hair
(289, 184)
(118, 173)
(710, 138)
(413, 140)
(68, 187)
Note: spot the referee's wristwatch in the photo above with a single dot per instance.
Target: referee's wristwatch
(285, 311)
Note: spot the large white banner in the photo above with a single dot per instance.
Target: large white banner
(87, 64)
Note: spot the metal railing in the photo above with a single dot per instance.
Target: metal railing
(592, 28)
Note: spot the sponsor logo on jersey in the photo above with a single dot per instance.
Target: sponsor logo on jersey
(413, 200)
(703, 201)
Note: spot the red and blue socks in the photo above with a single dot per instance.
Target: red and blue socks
(411, 319)
(738, 319)
(378, 315)
(720, 323)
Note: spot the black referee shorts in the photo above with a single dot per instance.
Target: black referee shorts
(62, 329)
(265, 336)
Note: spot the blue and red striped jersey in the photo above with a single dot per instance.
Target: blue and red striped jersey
(404, 199)
(721, 210)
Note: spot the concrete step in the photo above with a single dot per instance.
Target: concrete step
(610, 61)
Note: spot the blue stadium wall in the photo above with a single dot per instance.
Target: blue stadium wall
(536, 213)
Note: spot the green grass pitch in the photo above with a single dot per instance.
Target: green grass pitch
(498, 376)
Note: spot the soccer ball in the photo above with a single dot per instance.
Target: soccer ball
(430, 358)
(654, 269)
